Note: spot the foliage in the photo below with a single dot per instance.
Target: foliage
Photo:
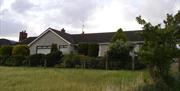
(15, 60)
(118, 55)
(36, 60)
(71, 61)
(83, 49)
(93, 50)
(21, 50)
(6, 50)
(53, 58)
(54, 48)
(159, 48)
(95, 63)
(119, 35)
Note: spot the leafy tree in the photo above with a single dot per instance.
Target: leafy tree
(54, 48)
(6, 50)
(53, 58)
(119, 35)
(159, 48)
(93, 50)
(71, 60)
(83, 49)
(118, 54)
(21, 50)
(5, 53)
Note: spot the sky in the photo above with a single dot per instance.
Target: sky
(35, 16)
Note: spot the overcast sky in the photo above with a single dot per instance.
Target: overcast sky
(35, 16)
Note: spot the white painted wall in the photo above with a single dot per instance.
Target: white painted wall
(103, 48)
(48, 39)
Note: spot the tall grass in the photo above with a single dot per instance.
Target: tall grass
(54, 79)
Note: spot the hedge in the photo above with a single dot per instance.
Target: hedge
(21, 50)
(6, 50)
(93, 50)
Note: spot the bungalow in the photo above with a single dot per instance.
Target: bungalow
(68, 42)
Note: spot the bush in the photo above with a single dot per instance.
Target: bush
(93, 50)
(54, 48)
(3, 59)
(71, 61)
(6, 50)
(21, 50)
(118, 55)
(83, 49)
(53, 58)
(16, 60)
(95, 63)
(36, 60)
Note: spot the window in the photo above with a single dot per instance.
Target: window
(43, 49)
(63, 46)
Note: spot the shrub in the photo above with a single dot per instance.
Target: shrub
(54, 48)
(95, 63)
(36, 60)
(53, 58)
(71, 61)
(83, 48)
(21, 50)
(118, 55)
(119, 35)
(93, 50)
(16, 60)
(6, 50)
(3, 59)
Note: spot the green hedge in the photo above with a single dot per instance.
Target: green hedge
(21, 50)
(53, 58)
(16, 60)
(93, 50)
(81, 61)
(36, 60)
(6, 50)
(83, 48)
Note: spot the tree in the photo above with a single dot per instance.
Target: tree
(83, 49)
(93, 50)
(119, 35)
(118, 55)
(6, 50)
(22, 50)
(54, 48)
(159, 48)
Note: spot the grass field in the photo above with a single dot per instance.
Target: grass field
(54, 79)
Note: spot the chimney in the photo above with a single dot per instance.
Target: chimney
(63, 30)
(22, 36)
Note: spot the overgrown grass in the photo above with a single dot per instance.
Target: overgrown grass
(54, 79)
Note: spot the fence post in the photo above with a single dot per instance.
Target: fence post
(106, 62)
(45, 63)
(179, 63)
(133, 63)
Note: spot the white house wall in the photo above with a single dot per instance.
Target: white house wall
(48, 39)
(103, 48)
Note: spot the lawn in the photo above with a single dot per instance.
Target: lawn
(56, 79)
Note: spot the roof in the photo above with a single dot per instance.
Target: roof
(105, 37)
(90, 38)
(28, 40)
(66, 36)
(7, 42)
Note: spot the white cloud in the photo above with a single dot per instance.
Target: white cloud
(99, 15)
